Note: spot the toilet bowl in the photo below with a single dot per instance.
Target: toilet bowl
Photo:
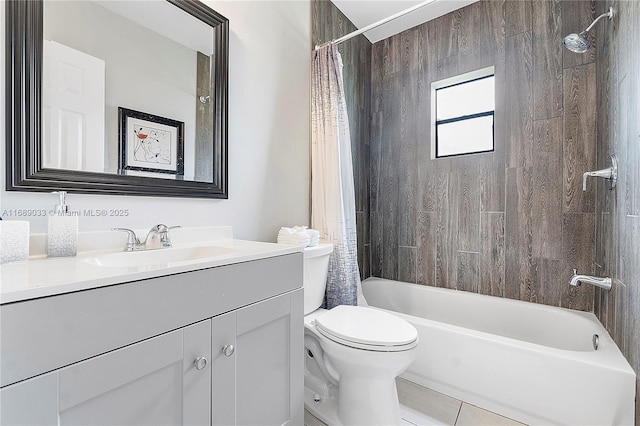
(352, 354)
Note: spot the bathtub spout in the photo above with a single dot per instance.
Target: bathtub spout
(602, 282)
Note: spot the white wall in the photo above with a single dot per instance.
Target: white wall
(269, 123)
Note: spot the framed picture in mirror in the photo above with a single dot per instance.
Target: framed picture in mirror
(150, 143)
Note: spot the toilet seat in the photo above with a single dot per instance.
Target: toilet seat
(367, 328)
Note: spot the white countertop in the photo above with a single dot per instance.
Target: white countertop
(41, 276)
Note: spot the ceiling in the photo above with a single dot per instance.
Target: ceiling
(365, 12)
(163, 18)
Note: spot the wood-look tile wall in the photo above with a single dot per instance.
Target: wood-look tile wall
(329, 23)
(618, 211)
(510, 223)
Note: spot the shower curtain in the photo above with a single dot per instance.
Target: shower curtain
(332, 190)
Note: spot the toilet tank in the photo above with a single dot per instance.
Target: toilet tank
(316, 267)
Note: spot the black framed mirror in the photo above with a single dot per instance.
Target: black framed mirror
(29, 166)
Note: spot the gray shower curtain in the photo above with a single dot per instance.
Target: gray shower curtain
(332, 189)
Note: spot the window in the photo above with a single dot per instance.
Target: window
(462, 114)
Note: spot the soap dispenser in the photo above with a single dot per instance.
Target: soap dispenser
(62, 230)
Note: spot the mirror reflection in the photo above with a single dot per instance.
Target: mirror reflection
(128, 90)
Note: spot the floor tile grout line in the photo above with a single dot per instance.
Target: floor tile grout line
(458, 415)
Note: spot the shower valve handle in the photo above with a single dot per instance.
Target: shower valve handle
(610, 173)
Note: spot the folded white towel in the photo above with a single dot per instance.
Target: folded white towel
(295, 235)
(300, 239)
(299, 235)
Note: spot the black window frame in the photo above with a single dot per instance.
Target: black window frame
(464, 118)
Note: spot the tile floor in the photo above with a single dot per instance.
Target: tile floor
(421, 407)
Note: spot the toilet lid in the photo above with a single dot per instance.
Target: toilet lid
(366, 328)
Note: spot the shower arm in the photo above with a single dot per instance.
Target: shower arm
(608, 14)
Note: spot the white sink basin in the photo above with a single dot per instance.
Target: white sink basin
(159, 256)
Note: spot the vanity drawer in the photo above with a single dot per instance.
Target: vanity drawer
(41, 335)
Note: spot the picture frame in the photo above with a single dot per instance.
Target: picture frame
(150, 143)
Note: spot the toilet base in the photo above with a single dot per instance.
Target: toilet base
(325, 410)
(380, 408)
(368, 401)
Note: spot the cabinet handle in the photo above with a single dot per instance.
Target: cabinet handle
(200, 363)
(228, 350)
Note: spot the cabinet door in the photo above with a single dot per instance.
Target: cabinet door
(260, 382)
(32, 402)
(154, 382)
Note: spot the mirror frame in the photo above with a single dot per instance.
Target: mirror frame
(24, 171)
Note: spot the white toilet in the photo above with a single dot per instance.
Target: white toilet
(352, 354)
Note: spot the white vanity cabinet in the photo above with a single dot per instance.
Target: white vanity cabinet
(256, 356)
(216, 346)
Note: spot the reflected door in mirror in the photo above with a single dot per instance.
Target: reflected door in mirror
(72, 109)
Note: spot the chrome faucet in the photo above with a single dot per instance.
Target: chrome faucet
(158, 237)
(602, 282)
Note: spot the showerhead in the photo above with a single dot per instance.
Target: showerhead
(578, 42)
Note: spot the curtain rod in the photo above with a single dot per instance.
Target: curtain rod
(375, 24)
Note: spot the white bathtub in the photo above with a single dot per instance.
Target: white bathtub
(530, 362)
